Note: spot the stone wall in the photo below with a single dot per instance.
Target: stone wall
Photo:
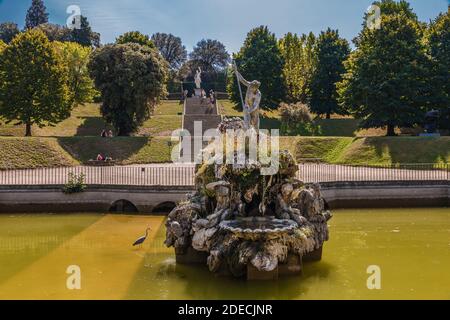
(147, 199)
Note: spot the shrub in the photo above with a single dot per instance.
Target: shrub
(75, 184)
(296, 119)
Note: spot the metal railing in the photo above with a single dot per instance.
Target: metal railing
(319, 172)
(183, 175)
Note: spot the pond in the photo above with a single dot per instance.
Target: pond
(410, 246)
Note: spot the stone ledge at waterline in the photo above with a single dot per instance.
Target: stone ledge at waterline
(160, 199)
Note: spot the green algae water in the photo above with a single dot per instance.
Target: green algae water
(411, 247)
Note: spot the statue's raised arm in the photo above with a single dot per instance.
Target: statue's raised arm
(240, 77)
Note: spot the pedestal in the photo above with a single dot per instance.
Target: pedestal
(198, 92)
(192, 256)
(312, 256)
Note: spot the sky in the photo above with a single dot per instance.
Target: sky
(225, 20)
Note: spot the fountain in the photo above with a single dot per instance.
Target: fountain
(243, 223)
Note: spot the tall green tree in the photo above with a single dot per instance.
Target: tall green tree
(438, 45)
(131, 79)
(84, 35)
(385, 80)
(260, 59)
(298, 55)
(76, 58)
(171, 48)
(211, 55)
(33, 81)
(36, 14)
(331, 52)
(8, 30)
(135, 37)
(55, 32)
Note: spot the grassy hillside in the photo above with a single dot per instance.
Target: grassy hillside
(68, 151)
(24, 153)
(77, 140)
(370, 150)
(86, 121)
(125, 150)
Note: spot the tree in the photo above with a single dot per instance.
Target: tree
(2, 46)
(384, 84)
(8, 30)
(131, 79)
(171, 48)
(135, 37)
(33, 82)
(55, 32)
(438, 40)
(331, 52)
(76, 59)
(298, 55)
(36, 14)
(260, 59)
(211, 55)
(84, 35)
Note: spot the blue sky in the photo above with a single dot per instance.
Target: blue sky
(225, 20)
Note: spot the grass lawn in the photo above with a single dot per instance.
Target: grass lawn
(125, 150)
(370, 150)
(22, 153)
(77, 140)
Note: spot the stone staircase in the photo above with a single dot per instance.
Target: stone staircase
(200, 111)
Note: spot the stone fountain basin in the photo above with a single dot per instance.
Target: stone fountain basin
(259, 228)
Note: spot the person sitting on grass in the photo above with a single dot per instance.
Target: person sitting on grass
(104, 134)
(110, 134)
(100, 157)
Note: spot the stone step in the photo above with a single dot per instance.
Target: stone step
(199, 106)
(207, 122)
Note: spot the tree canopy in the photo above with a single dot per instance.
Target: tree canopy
(36, 14)
(76, 58)
(171, 48)
(298, 55)
(260, 59)
(84, 35)
(438, 40)
(330, 53)
(135, 37)
(33, 82)
(131, 79)
(211, 55)
(8, 30)
(385, 79)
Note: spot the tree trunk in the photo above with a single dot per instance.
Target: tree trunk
(390, 130)
(328, 115)
(28, 130)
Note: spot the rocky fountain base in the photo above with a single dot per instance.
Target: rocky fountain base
(244, 224)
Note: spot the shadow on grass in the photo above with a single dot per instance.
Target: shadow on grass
(92, 126)
(411, 149)
(120, 149)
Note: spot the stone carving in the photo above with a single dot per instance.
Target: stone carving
(245, 221)
(251, 101)
(198, 78)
